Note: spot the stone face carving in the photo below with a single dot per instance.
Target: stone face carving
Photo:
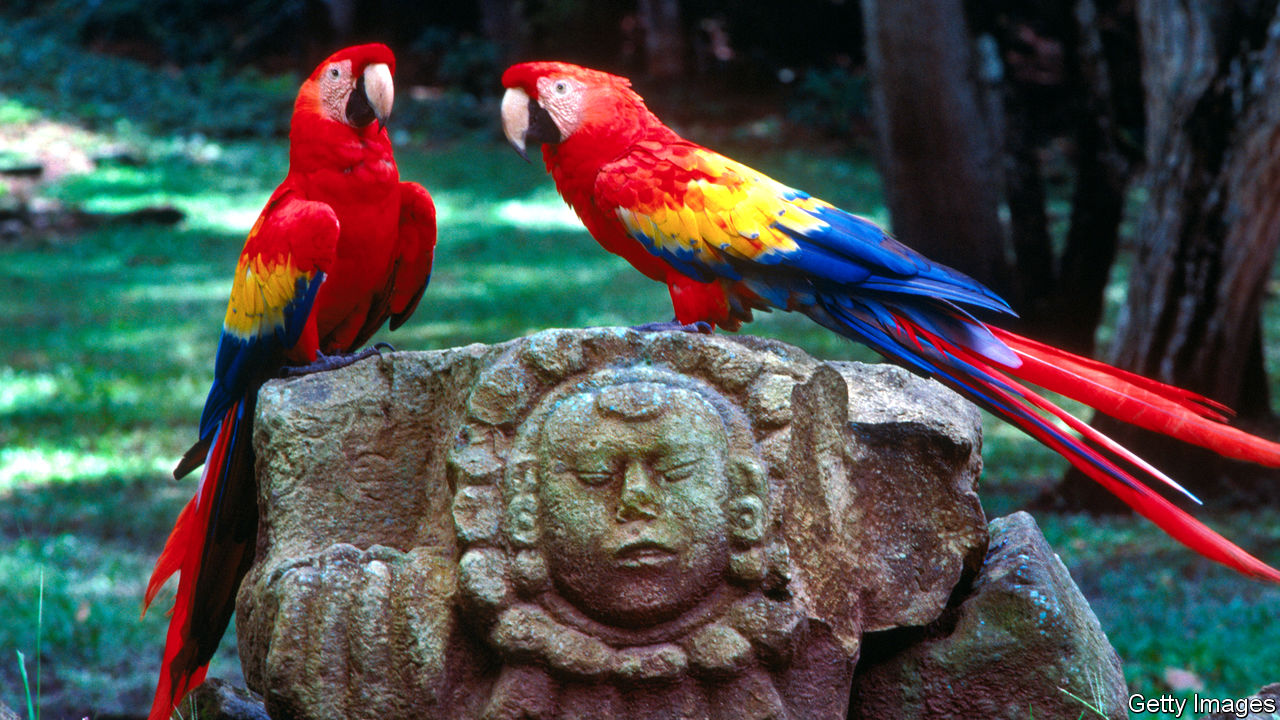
(635, 550)
(599, 523)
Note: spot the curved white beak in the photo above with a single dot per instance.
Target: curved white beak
(515, 118)
(379, 90)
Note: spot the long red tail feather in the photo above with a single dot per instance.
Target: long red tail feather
(1137, 400)
(1177, 523)
(1131, 398)
(184, 552)
(987, 365)
(1126, 396)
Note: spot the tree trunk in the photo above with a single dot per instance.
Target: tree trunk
(937, 156)
(1209, 231)
(1063, 77)
(1101, 181)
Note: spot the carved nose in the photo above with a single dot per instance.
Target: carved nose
(639, 500)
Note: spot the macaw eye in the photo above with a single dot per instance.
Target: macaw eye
(561, 87)
(335, 73)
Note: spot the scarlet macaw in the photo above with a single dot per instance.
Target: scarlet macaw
(726, 239)
(341, 246)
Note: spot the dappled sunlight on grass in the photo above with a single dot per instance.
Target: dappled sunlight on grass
(483, 281)
(222, 216)
(37, 465)
(15, 112)
(99, 653)
(209, 291)
(544, 210)
(218, 190)
(541, 211)
(21, 390)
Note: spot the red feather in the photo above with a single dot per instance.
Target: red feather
(182, 554)
(1155, 405)
(1138, 400)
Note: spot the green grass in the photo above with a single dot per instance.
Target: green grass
(106, 355)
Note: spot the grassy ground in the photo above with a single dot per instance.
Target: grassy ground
(106, 351)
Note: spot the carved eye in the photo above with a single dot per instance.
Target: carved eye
(594, 477)
(678, 471)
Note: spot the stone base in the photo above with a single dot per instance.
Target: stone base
(438, 537)
(1022, 643)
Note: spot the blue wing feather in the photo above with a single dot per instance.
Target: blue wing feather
(848, 250)
(238, 358)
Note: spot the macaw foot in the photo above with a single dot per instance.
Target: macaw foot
(325, 363)
(700, 327)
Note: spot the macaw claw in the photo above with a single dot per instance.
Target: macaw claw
(700, 327)
(326, 363)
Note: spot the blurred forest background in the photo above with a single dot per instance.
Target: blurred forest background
(1111, 166)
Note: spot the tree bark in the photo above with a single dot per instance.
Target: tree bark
(1064, 62)
(937, 156)
(1101, 180)
(1209, 231)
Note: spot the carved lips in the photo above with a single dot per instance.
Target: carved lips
(644, 554)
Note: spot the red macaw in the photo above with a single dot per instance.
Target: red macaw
(727, 240)
(341, 246)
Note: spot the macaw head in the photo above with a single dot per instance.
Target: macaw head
(352, 86)
(548, 103)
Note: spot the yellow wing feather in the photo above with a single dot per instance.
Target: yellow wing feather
(260, 295)
(724, 208)
(289, 234)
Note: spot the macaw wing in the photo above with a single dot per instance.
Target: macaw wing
(414, 252)
(279, 272)
(711, 217)
(411, 260)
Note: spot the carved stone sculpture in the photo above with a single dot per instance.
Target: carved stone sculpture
(635, 572)
(599, 523)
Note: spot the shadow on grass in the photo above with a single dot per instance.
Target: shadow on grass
(87, 547)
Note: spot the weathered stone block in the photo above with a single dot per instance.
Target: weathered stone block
(1021, 643)
(599, 523)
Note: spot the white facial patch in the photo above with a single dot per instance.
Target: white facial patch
(336, 83)
(562, 99)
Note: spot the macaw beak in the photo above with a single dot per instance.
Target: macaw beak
(515, 119)
(525, 122)
(372, 97)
